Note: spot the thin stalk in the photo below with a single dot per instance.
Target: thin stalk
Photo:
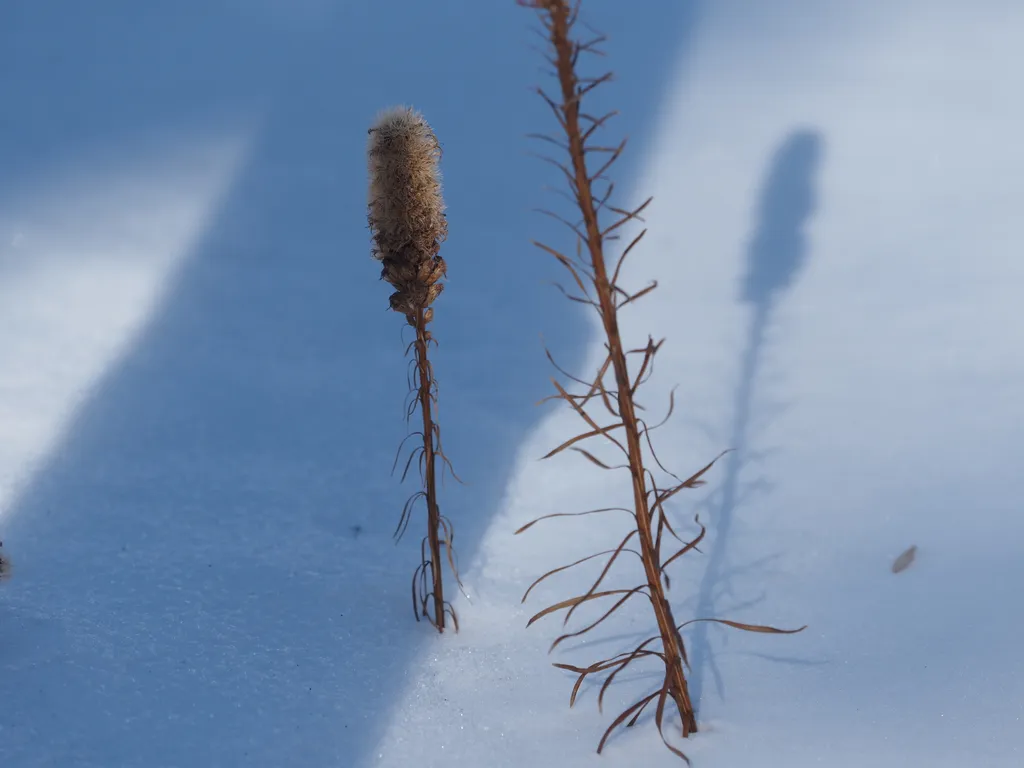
(671, 640)
(599, 287)
(430, 475)
(406, 216)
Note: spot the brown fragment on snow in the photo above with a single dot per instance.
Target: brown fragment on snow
(905, 560)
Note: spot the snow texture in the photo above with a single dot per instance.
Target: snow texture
(201, 384)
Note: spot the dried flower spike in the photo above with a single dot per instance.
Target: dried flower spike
(406, 217)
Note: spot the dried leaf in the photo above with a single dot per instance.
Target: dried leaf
(594, 460)
(605, 615)
(905, 560)
(746, 627)
(572, 514)
(583, 436)
(574, 601)
(571, 565)
(622, 718)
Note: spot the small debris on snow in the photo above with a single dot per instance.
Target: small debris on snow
(904, 561)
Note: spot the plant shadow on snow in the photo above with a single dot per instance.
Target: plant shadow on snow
(777, 253)
(206, 569)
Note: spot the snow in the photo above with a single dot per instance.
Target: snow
(201, 390)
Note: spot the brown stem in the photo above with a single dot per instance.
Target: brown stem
(430, 479)
(671, 640)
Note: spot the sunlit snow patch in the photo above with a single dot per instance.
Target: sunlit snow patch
(85, 257)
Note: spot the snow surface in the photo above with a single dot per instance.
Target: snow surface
(202, 388)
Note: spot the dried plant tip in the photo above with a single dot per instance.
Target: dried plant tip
(406, 209)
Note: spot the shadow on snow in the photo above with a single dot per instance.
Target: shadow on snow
(777, 253)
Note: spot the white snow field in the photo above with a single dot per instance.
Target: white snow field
(201, 387)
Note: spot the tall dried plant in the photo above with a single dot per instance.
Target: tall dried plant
(599, 288)
(407, 220)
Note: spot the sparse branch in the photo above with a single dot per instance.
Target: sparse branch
(632, 435)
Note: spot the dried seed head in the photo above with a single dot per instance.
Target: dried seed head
(406, 207)
(406, 210)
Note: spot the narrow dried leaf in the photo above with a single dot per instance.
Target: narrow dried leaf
(567, 567)
(636, 654)
(905, 560)
(623, 717)
(648, 352)
(561, 370)
(625, 253)
(693, 481)
(572, 514)
(564, 262)
(584, 673)
(574, 601)
(746, 627)
(583, 436)
(594, 460)
(618, 604)
(627, 216)
(587, 418)
(691, 545)
(637, 714)
(633, 297)
(604, 572)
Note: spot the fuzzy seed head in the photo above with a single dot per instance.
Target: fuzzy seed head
(406, 209)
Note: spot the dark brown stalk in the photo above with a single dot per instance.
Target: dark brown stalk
(628, 432)
(430, 473)
(672, 644)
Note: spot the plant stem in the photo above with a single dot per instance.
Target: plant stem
(672, 645)
(430, 480)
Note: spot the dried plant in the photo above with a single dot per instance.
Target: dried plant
(598, 288)
(407, 219)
